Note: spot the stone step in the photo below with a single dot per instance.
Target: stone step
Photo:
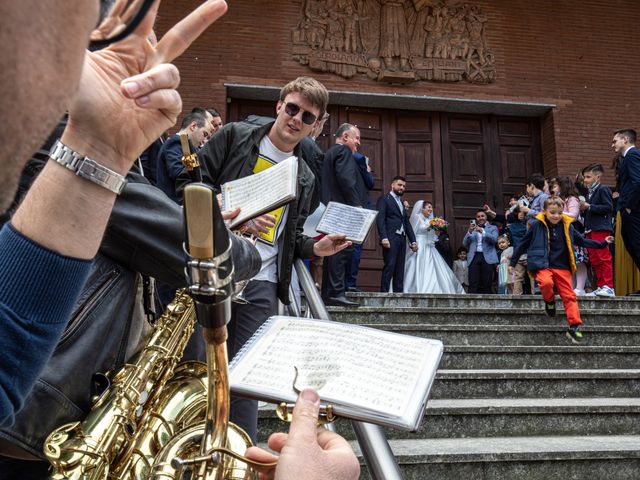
(531, 383)
(486, 316)
(539, 357)
(529, 416)
(485, 301)
(472, 334)
(449, 418)
(614, 457)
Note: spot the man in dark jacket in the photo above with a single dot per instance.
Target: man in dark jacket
(367, 176)
(342, 183)
(598, 224)
(169, 162)
(238, 150)
(624, 143)
(143, 239)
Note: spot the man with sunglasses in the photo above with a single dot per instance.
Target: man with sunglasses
(240, 149)
(342, 183)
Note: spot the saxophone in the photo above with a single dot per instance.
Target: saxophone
(159, 419)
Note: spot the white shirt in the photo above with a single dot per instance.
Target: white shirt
(627, 150)
(269, 250)
(398, 200)
(479, 237)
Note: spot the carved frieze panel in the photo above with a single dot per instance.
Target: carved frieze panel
(395, 41)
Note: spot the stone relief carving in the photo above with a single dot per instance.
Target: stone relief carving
(395, 41)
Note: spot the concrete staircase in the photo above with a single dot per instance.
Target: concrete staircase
(514, 399)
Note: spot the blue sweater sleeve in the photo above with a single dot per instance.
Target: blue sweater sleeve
(38, 290)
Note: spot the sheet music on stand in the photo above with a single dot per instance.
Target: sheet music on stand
(354, 222)
(367, 374)
(261, 192)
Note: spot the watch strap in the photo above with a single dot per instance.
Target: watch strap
(87, 168)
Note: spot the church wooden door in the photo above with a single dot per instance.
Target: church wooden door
(457, 161)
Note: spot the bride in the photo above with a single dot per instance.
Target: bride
(426, 271)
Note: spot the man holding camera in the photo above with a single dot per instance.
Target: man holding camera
(482, 258)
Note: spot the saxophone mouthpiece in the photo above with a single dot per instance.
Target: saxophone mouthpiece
(209, 265)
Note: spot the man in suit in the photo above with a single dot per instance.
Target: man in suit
(394, 229)
(341, 182)
(367, 176)
(482, 258)
(624, 143)
(169, 162)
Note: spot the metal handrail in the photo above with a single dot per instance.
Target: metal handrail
(375, 448)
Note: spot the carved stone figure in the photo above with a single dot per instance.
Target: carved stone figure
(350, 26)
(396, 41)
(416, 23)
(369, 26)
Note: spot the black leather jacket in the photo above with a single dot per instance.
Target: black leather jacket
(144, 236)
(232, 153)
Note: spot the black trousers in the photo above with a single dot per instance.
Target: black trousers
(480, 274)
(631, 234)
(262, 298)
(394, 263)
(334, 274)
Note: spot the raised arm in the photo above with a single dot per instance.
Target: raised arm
(126, 98)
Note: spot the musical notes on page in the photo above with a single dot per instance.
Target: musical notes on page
(261, 192)
(354, 222)
(367, 374)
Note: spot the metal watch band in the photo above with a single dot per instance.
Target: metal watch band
(87, 168)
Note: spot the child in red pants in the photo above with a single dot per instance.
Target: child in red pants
(549, 247)
(597, 211)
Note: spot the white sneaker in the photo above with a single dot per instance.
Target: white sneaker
(579, 293)
(591, 294)
(605, 291)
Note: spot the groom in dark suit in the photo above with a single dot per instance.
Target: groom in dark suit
(624, 143)
(394, 229)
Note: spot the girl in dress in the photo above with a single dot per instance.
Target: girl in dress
(569, 193)
(505, 280)
(426, 271)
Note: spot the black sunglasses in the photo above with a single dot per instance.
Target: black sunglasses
(292, 110)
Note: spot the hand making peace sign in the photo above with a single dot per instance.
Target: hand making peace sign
(127, 95)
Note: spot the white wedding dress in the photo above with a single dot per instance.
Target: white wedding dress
(426, 271)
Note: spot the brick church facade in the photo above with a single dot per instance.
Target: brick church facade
(465, 98)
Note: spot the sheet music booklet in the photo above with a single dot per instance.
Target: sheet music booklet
(355, 222)
(366, 374)
(261, 192)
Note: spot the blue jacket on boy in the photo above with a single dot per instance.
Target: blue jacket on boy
(536, 243)
(598, 216)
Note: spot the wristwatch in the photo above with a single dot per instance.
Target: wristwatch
(87, 168)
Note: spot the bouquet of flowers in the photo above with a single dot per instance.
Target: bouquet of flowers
(439, 224)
